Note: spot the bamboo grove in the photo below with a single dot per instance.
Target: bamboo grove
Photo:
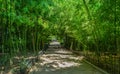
(88, 26)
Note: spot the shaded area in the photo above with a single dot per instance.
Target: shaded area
(60, 61)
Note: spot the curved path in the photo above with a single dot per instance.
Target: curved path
(59, 61)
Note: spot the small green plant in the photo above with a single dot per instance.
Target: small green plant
(25, 65)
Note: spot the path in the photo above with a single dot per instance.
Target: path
(59, 61)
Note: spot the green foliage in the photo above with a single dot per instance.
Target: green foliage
(88, 22)
(80, 24)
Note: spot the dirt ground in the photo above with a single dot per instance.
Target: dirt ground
(60, 61)
(57, 60)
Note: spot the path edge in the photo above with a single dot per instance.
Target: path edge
(101, 70)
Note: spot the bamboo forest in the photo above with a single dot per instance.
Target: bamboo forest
(59, 36)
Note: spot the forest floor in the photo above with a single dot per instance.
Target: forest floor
(61, 61)
(57, 60)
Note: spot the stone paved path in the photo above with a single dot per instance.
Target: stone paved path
(59, 61)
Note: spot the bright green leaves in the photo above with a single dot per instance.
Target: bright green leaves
(85, 20)
(40, 20)
(43, 23)
(80, 19)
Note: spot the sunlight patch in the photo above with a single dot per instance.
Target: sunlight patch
(67, 64)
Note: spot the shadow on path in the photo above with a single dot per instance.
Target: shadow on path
(60, 61)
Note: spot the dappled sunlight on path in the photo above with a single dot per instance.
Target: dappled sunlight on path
(54, 63)
(61, 61)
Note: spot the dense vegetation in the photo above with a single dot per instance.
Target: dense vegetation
(92, 26)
